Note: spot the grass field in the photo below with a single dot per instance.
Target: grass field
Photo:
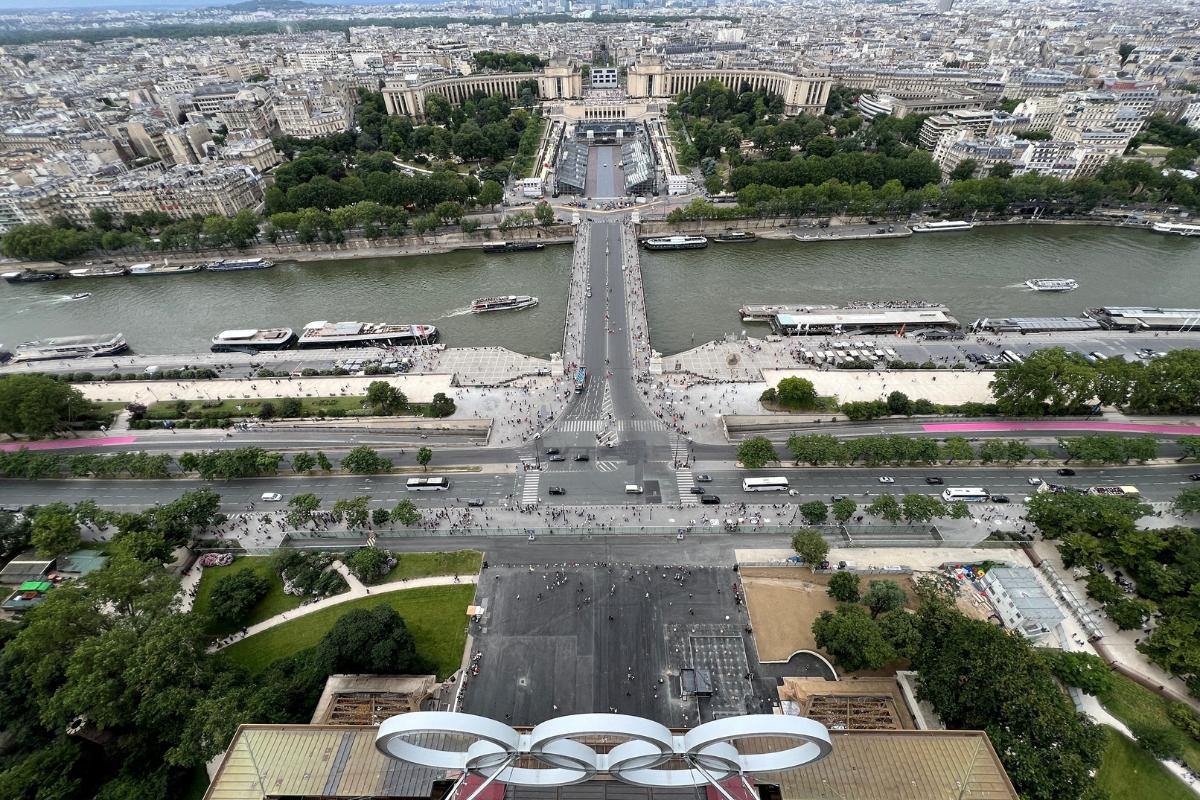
(1129, 772)
(1142, 709)
(436, 615)
(275, 602)
(424, 565)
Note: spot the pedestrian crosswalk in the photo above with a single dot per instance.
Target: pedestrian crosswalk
(679, 450)
(529, 490)
(606, 403)
(597, 425)
(640, 425)
(683, 479)
(607, 438)
(580, 426)
(607, 466)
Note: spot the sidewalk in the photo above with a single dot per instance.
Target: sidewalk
(357, 590)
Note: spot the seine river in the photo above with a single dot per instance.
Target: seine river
(693, 295)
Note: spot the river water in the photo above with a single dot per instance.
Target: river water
(693, 295)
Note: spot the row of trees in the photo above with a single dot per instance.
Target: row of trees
(37, 406)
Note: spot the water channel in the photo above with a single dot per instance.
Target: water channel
(693, 295)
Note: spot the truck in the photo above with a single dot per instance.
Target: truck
(1115, 491)
(580, 379)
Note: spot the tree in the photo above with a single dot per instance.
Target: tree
(922, 508)
(852, 638)
(1187, 502)
(441, 405)
(1001, 169)
(37, 405)
(796, 393)
(883, 596)
(15, 532)
(1056, 514)
(756, 452)
(811, 546)
(405, 513)
(362, 460)
(886, 507)
(353, 512)
(424, 456)
(385, 398)
(543, 212)
(490, 194)
(303, 462)
(55, 532)
(814, 512)
(843, 509)
(369, 564)
(843, 587)
(380, 516)
(899, 404)
(301, 508)
(371, 641)
(1085, 671)
(964, 170)
(1049, 381)
(323, 461)
(234, 595)
(1129, 614)
(1190, 445)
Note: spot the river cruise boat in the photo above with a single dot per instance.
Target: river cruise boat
(97, 272)
(511, 302)
(1052, 284)
(253, 340)
(364, 334)
(238, 264)
(943, 225)
(1177, 228)
(30, 276)
(512, 247)
(164, 269)
(107, 344)
(675, 243)
(735, 236)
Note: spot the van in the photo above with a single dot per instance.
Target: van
(710, 500)
(271, 497)
(633, 488)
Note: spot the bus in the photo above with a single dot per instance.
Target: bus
(966, 495)
(580, 379)
(1115, 491)
(764, 484)
(427, 484)
(1012, 358)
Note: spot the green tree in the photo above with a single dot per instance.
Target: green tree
(385, 398)
(886, 507)
(323, 461)
(353, 512)
(1187, 501)
(922, 508)
(301, 508)
(369, 564)
(441, 405)
(815, 512)
(883, 596)
(543, 212)
(756, 453)
(964, 170)
(899, 404)
(811, 546)
(843, 587)
(406, 513)
(852, 638)
(1085, 671)
(424, 456)
(362, 460)
(369, 641)
(843, 509)
(796, 393)
(1129, 614)
(1049, 381)
(234, 595)
(1190, 445)
(490, 194)
(303, 462)
(37, 405)
(15, 531)
(55, 532)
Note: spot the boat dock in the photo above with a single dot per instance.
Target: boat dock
(891, 318)
(1036, 325)
(764, 312)
(1146, 318)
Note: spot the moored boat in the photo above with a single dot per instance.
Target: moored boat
(164, 269)
(29, 276)
(512, 247)
(364, 334)
(97, 272)
(735, 236)
(252, 340)
(93, 346)
(1177, 228)
(1052, 284)
(238, 264)
(510, 302)
(675, 243)
(943, 225)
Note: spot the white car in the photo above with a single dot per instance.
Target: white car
(887, 479)
(1034, 481)
(271, 497)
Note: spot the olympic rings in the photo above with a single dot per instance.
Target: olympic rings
(708, 750)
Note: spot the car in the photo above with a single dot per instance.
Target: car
(710, 500)
(552, 451)
(475, 502)
(557, 458)
(12, 509)
(934, 481)
(838, 497)
(1034, 481)
(557, 490)
(1000, 498)
(886, 479)
(696, 490)
(1195, 476)
(703, 478)
(582, 457)
(271, 497)
(1066, 471)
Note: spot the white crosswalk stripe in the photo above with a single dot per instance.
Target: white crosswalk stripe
(529, 490)
(679, 450)
(640, 425)
(683, 479)
(607, 466)
(606, 403)
(607, 438)
(580, 426)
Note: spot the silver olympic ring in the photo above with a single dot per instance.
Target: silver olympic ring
(708, 751)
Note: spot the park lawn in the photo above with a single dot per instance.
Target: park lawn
(1142, 709)
(275, 601)
(425, 565)
(1128, 772)
(310, 407)
(436, 615)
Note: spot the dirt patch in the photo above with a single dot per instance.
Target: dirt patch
(784, 601)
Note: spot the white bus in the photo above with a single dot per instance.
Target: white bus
(427, 484)
(966, 495)
(764, 484)
(1012, 357)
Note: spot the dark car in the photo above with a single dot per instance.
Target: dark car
(475, 502)
(557, 458)
(710, 500)
(934, 481)
(551, 451)
(838, 497)
(696, 490)
(557, 490)
(1066, 471)
(1000, 498)
(1195, 476)
(582, 457)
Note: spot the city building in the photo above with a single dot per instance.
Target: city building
(1020, 601)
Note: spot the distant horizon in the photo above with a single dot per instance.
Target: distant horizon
(169, 5)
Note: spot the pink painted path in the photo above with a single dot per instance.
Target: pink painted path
(1076, 425)
(62, 444)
